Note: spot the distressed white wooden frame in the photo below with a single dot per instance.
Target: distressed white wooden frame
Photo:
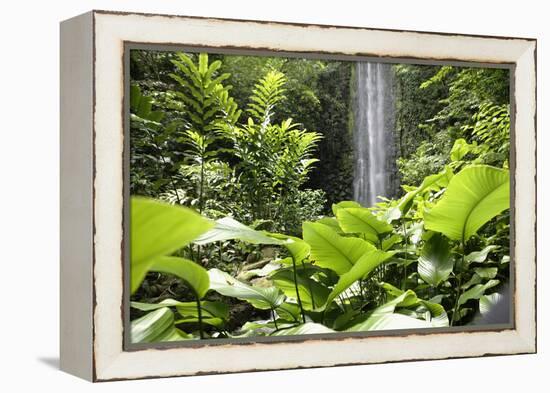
(92, 141)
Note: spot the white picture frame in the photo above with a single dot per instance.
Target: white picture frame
(92, 321)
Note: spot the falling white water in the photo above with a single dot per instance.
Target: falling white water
(373, 134)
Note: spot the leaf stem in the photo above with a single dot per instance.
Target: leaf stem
(274, 319)
(199, 312)
(297, 291)
(458, 288)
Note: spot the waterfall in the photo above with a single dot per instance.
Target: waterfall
(373, 133)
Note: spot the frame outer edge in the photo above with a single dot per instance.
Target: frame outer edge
(115, 365)
(76, 196)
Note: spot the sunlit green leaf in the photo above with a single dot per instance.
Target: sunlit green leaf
(361, 220)
(474, 196)
(159, 229)
(332, 251)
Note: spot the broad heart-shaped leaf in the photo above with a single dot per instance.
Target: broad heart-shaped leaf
(158, 229)
(366, 264)
(195, 276)
(263, 298)
(312, 293)
(474, 196)
(332, 251)
(361, 220)
(306, 328)
(228, 228)
(156, 326)
(435, 263)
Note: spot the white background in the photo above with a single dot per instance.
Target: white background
(30, 181)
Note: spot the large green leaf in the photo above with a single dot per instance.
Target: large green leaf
(306, 328)
(361, 220)
(474, 196)
(263, 298)
(435, 263)
(366, 264)
(228, 228)
(332, 251)
(159, 229)
(195, 276)
(311, 292)
(156, 326)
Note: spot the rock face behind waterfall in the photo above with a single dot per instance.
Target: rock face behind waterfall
(374, 123)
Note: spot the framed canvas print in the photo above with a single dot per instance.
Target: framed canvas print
(246, 195)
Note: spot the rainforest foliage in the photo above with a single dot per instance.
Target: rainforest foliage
(242, 222)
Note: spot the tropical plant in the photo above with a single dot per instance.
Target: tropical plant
(159, 230)
(208, 105)
(323, 278)
(251, 247)
(274, 159)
